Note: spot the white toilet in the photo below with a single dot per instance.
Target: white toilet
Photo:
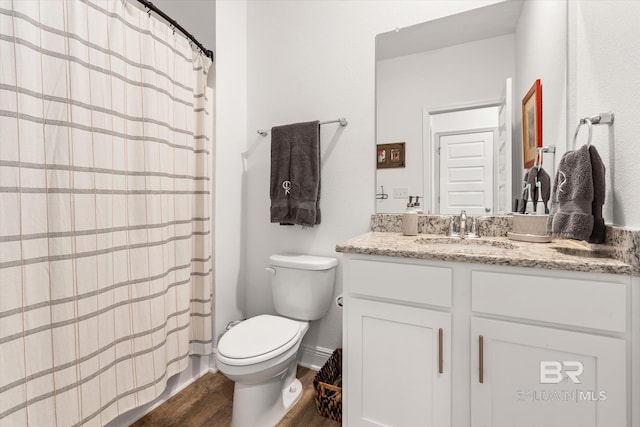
(260, 353)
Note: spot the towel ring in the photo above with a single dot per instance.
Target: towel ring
(575, 135)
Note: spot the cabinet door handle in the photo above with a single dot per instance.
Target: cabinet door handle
(481, 357)
(440, 358)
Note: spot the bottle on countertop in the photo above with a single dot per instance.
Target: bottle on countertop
(410, 220)
(417, 206)
(529, 206)
(540, 207)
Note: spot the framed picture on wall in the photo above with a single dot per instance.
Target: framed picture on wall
(531, 124)
(390, 155)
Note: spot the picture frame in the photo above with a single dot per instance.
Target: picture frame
(390, 155)
(531, 124)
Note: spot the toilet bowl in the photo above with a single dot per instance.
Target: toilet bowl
(260, 353)
(265, 375)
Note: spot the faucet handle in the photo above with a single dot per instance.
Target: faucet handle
(474, 227)
(452, 227)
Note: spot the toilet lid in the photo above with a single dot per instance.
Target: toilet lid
(302, 262)
(257, 335)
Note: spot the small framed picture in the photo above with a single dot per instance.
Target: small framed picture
(390, 155)
(395, 155)
(531, 124)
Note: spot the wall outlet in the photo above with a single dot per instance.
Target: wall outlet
(400, 193)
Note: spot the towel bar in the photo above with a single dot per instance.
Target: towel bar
(343, 122)
(547, 149)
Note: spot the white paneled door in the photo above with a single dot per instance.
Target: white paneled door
(466, 172)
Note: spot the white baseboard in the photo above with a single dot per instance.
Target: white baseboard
(313, 357)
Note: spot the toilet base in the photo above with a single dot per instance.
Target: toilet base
(264, 391)
(263, 404)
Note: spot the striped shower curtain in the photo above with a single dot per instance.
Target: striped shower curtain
(105, 246)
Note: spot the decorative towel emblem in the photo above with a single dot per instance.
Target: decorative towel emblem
(287, 187)
(562, 179)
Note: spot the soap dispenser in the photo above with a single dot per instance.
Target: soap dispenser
(410, 220)
(417, 206)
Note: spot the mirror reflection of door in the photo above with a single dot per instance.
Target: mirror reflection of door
(464, 146)
(466, 172)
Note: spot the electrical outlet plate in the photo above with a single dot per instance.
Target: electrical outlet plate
(400, 193)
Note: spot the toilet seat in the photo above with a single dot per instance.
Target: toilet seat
(258, 339)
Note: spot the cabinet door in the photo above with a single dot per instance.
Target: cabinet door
(393, 362)
(537, 376)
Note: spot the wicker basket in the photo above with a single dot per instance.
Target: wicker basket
(328, 387)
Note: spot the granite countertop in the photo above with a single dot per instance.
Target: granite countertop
(558, 255)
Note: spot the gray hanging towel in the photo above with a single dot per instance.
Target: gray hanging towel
(295, 174)
(578, 195)
(599, 188)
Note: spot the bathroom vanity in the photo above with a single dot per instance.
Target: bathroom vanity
(489, 332)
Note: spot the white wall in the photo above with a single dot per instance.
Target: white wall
(541, 52)
(478, 118)
(605, 76)
(316, 60)
(230, 170)
(465, 74)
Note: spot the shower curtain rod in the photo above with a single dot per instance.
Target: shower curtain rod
(177, 26)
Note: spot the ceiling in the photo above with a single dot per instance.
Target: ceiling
(491, 21)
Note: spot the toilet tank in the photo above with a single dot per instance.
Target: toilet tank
(302, 285)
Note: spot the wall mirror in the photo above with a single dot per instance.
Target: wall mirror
(451, 89)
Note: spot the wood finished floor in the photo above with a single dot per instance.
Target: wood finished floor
(208, 402)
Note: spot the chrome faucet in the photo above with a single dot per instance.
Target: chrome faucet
(463, 231)
(472, 233)
(463, 224)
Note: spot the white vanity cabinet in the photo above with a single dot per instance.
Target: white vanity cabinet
(531, 375)
(520, 346)
(399, 364)
(584, 377)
